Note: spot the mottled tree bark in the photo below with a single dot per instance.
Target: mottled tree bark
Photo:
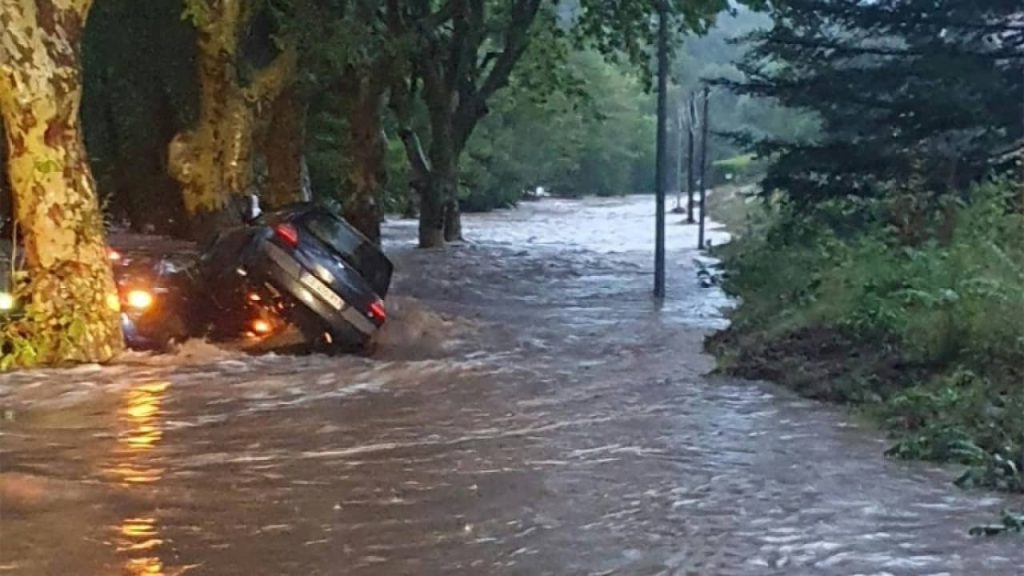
(283, 149)
(72, 314)
(364, 94)
(6, 202)
(213, 160)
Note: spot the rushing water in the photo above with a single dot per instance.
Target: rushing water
(531, 411)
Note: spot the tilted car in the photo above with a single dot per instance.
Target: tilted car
(307, 267)
(295, 277)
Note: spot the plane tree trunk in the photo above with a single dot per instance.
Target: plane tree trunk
(364, 95)
(283, 149)
(213, 160)
(71, 308)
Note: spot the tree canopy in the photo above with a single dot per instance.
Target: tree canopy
(904, 90)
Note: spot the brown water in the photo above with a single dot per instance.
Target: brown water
(531, 411)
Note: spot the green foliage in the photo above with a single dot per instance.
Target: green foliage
(946, 311)
(599, 141)
(965, 418)
(1009, 522)
(742, 169)
(17, 347)
(713, 58)
(627, 29)
(910, 90)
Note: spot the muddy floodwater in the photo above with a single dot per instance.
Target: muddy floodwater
(530, 411)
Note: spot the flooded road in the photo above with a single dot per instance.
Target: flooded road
(531, 411)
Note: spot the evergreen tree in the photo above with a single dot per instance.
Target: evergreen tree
(922, 91)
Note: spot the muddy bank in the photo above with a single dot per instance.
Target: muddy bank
(819, 363)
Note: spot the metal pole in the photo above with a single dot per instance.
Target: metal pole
(703, 167)
(679, 159)
(689, 158)
(661, 162)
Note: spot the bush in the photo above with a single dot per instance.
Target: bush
(738, 170)
(935, 327)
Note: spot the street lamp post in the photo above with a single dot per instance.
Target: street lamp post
(691, 126)
(703, 167)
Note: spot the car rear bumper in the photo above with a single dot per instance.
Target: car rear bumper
(286, 274)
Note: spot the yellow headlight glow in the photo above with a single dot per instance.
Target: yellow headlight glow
(139, 299)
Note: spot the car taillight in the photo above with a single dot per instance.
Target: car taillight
(288, 234)
(377, 311)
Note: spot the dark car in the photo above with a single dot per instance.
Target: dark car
(308, 266)
(156, 298)
(153, 290)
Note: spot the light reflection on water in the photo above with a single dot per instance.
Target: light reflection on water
(140, 430)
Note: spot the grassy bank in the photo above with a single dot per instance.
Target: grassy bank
(921, 327)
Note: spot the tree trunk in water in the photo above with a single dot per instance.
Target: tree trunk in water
(409, 208)
(438, 220)
(439, 211)
(452, 220)
(73, 311)
(431, 214)
(283, 148)
(441, 184)
(213, 160)
(367, 149)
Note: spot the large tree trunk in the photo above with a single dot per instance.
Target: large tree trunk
(73, 312)
(441, 186)
(365, 97)
(213, 160)
(431, 229)
(283, 148)
(439, 213)
(6, 202)
(452, 220)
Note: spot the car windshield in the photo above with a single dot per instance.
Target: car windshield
(353, 247)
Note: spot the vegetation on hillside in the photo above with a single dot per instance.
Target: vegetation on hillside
(884, 263)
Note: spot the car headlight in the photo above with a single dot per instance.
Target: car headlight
(139, 299)
(7, 302)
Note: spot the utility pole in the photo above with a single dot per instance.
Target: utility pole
(703, 167)
(691, 125)
(680, 123)
(661, 161)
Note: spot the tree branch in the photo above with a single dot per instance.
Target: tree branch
(473, 103)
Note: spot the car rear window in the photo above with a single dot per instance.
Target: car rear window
(353, 247)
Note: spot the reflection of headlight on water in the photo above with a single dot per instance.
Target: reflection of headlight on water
(7, 302)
